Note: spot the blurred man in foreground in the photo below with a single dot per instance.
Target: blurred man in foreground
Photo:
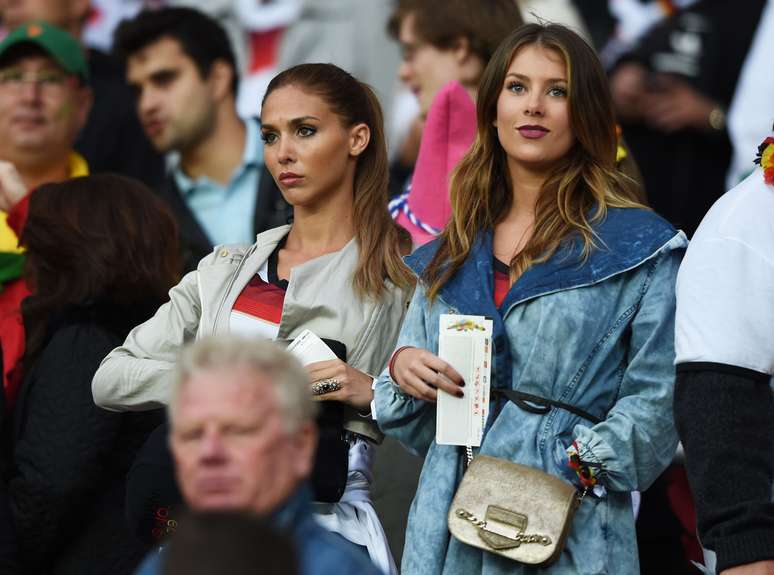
(243, 437)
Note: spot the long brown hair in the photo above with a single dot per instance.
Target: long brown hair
(380, 240)
(577, 191)
(103, 238)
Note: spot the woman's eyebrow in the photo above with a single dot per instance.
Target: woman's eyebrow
(527, 78)
(293, 122)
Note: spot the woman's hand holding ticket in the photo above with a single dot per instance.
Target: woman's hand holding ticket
(420, 373)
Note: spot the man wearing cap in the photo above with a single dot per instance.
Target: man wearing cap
(44, 101)
(112, 139)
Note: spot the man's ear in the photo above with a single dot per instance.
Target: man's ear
(461, 50)
(220, 78)
(359, 137)
(469, 64)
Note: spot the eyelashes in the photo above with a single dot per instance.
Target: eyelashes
(306, 131)
(520, 88)
(516, 87)
(301, 131)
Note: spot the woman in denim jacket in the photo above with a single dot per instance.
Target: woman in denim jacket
(548, 240)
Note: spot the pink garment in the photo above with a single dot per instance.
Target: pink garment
(449, 131)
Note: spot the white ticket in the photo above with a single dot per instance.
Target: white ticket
(308, 348)
(465, 342)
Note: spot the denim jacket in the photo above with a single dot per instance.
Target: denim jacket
(595, 333)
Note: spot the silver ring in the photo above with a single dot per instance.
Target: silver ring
(325, 386)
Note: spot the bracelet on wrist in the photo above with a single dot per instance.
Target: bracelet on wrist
(391, 365)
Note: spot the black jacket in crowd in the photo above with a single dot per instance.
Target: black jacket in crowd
(271, 210)
(725, 418)
(70, 458)
(704, 45)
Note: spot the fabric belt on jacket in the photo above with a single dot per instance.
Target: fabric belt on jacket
(542, 405)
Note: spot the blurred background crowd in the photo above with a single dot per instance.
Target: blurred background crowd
(691, 82)
(670, 64)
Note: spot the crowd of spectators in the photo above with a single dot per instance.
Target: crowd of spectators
(181, 178)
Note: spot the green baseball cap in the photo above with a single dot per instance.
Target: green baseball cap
(55, 42)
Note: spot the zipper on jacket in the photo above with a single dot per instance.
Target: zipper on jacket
(229, 286)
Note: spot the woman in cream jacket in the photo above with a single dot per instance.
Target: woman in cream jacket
(337, 271)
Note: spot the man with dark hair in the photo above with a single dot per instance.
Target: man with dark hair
(182, 68)
(111, 140)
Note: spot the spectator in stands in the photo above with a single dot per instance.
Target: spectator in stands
(112, 139)
(44, 102)
(347, 33)
(243, 437)
(336, 271)
(101, 256)
(444, 41)
(724, 401)
(181, 66)
(446, 45)
(672, 93)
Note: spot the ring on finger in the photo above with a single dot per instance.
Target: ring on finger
(324, 386)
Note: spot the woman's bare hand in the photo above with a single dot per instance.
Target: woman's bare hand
(420, 373)
(355, 385)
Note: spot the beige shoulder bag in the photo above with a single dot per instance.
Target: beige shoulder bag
(513, 510)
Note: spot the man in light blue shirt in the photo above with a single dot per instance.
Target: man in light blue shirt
(182, 68)
(221, 209)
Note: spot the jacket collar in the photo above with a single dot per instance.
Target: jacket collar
(627, 237)
(296, 508)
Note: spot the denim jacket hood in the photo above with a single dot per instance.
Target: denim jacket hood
(625, 238)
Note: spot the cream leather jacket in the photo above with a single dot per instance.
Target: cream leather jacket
(137, 376)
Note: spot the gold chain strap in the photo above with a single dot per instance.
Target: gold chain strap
(519, 537)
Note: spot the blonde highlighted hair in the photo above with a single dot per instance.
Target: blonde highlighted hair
(577, 191)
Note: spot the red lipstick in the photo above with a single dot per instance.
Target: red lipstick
(289, 178)
(532, 131)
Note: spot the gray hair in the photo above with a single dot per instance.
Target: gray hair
(265, 358)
